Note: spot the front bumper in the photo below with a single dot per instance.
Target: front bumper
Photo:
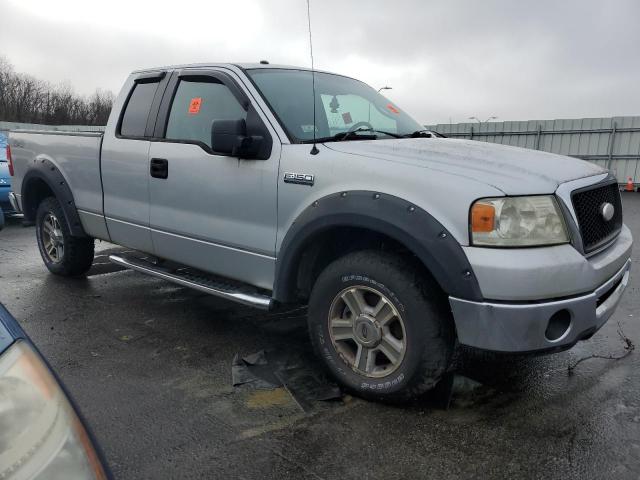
(536, 326)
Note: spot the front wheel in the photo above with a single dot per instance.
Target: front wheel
(380, 326)
(62, 253)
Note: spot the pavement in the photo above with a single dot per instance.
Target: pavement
(149, 364)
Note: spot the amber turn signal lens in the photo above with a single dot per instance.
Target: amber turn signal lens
(483, 218)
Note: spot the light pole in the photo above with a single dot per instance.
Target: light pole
(479, 121)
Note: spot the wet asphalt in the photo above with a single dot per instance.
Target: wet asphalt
(149, 364)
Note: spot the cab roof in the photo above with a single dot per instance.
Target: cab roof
(242, 66)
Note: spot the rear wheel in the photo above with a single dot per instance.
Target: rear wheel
(62, 253)
(380, 326)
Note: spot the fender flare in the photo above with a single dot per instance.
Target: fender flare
(45, 170)
(394, 217)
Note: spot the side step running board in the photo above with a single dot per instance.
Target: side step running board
(197, 280)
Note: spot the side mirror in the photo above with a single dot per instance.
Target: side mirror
(229, 137)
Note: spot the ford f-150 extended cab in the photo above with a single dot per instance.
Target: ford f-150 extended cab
(246, 182)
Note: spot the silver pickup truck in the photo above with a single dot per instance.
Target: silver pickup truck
(251, 183)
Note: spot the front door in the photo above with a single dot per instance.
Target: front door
(207, 210)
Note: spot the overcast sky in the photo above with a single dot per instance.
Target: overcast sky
(444, 59)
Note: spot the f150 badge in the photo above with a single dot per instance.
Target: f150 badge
(299, 178)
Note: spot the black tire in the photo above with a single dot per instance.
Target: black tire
(76, 254)
(428, 334)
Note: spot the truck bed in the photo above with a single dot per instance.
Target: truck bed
(75, 154)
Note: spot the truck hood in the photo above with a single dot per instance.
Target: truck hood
(514, 171)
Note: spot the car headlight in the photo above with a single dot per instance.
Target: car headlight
(517, 222)
(40, 434)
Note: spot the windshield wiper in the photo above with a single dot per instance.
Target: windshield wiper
(338, 137)
(424, 134)
(353, 134)
(365, 129)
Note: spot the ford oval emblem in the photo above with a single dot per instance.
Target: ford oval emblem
(607, 210)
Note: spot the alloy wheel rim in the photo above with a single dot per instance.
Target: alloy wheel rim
(52, 238)
(367, 331)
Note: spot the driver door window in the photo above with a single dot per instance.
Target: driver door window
(196, 104)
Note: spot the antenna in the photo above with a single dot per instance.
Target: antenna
(314, 150)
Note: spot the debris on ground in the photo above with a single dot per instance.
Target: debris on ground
(458, 389)
(255, 370)
(628, 347)
(272, 369)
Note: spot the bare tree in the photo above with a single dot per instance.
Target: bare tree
(24, 98)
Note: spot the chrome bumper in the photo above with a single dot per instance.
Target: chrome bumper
(14, 202)
(525, 327)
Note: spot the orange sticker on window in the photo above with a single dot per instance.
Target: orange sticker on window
(393, 109)
(194, 106)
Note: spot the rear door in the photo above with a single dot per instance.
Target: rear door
(209, 210)
(125, 162)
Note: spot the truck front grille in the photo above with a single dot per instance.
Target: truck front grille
(587, 204)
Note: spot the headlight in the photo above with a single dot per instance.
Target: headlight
(517, 222)
(40, 434)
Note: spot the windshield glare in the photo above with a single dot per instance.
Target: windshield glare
(342, 105)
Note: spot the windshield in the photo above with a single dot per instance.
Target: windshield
(342, 105)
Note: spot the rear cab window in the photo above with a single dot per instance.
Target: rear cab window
(197, 103)
(136, 112)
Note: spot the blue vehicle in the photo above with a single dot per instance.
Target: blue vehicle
(5, 178)
(42, 434)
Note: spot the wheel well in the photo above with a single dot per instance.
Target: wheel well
(34, 193)
(337, 242)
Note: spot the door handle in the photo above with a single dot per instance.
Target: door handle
(159, 168)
